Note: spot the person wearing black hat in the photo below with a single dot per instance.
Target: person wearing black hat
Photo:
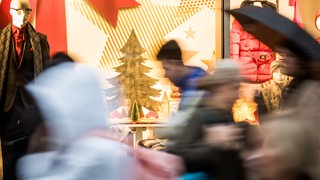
(182, 76)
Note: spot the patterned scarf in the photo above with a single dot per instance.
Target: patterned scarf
(5, 39)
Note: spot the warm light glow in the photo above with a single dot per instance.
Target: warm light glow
(318, 22)
(244, 110)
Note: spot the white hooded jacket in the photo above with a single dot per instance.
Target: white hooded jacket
(69, 96)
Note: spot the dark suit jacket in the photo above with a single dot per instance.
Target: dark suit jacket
(14, 76)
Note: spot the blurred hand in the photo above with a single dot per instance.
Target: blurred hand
(225, 136)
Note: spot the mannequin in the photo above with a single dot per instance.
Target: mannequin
(22, 54)
(272, 90)
(253, 56)
(17, 9)
(255, 59)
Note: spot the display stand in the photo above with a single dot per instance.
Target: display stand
(139, 127)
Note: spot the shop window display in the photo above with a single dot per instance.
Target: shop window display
(255, 60)
(133, 72)
(254, 56)
(196, 24)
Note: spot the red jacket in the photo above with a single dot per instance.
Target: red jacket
(253, 56)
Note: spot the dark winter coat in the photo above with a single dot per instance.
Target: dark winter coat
(200, 156)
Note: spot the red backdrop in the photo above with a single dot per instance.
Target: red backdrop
(50, 20)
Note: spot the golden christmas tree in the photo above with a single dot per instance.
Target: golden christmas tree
(132, 82)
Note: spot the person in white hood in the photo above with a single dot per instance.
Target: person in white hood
(69, 96)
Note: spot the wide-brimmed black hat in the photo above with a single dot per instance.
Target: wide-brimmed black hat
(276, 31)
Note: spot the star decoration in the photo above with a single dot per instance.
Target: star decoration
(243, 110)
(190, 33)
(187, 55)
(109, 8)
(210, 64)
(165, 97)
(138, 18)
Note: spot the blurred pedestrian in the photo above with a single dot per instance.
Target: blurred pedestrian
(300, 52)
(182, 76)
(22, 54)
(301, 55)
(304, 89)
(210, 141)
(288, 149)
(68, 145)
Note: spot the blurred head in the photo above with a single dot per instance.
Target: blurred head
(290, 149)
(174, 71)
(296, 66)
(70, 98)
(20, 11)
(171, 59)
(223, 85)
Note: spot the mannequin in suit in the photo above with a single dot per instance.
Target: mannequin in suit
(22, 53)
